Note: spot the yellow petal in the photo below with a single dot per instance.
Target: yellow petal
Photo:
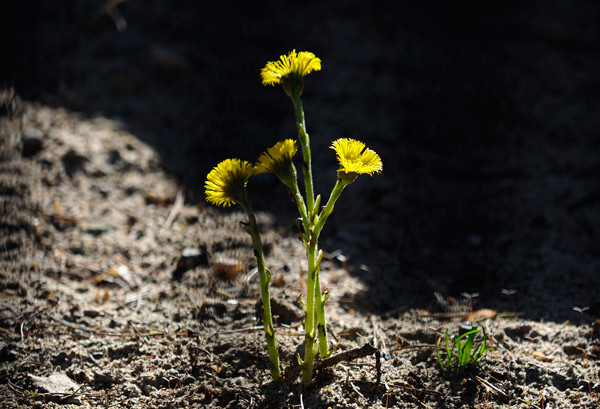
(355, 158)
(294, 64)
(227, 181)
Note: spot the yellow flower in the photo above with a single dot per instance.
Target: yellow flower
(294, 66)
(277, 157)
(278, 160)
(354, 158)
(226, 183)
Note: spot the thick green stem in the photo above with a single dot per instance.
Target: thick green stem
(309, 321)
(307, 219)
(301, 208)
(265, 278)
(320, 300)
(340, 185)
(306, 154)
(315, 302)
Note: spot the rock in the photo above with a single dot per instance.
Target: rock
(190, 258)
(287, 311)
(131, 390)
(57, 387)
(92, 313)
(285, 308)
(104, 378)
(227, 268)
(148, 389)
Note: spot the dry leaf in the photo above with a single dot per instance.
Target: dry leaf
(279, 281)
(227, 268)
(542, 357)
(482, 314)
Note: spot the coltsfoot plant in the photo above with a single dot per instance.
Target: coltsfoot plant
(462, 351)
(226, 185)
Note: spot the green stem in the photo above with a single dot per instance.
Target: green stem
(301, 207)
(340, 185)
(265, 278)
(320, 300)
(315, 301)
(306, 154)
(307, 219)
(315, 314)
(309, 321)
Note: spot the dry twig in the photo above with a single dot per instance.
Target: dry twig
(352, 354)
(175, 210)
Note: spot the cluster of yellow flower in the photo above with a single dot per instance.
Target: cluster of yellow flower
(227, 181)
(226, 185)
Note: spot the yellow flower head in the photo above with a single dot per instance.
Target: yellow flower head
(226, 183)
(276, 157)
(291, 68)
(354, 158)
(278, 160)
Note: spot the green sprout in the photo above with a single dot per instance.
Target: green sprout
(227, 182)
(462, 352)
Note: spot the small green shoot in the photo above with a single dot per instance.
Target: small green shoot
(462, 351)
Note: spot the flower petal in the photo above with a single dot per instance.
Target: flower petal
(355, 158)
(227, 182)
(294, 64)
(276, 157)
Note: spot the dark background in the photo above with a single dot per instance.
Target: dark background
(486, 116)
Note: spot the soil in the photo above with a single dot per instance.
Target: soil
(121, 287)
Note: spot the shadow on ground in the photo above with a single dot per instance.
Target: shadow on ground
(485, 117)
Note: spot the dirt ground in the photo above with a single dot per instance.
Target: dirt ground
(121, 287)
